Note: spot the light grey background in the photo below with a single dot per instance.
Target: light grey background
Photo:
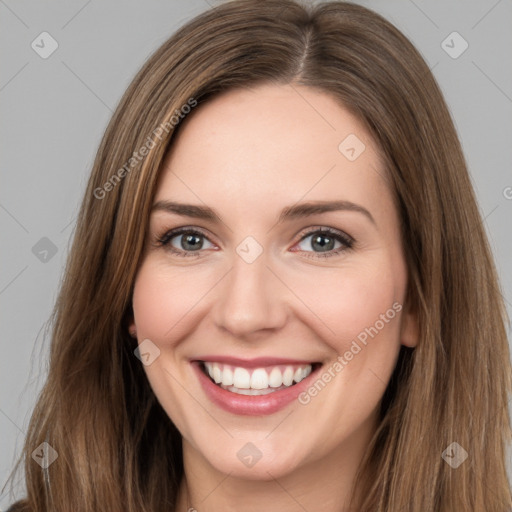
(54, 112)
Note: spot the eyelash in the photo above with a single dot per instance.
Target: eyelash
(346, 241)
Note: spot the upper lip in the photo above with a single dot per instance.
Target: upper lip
(256, 362)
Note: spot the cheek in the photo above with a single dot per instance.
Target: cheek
(351, 301)
(163, 306)
(152, 304)
(362, 309)
(164, 301)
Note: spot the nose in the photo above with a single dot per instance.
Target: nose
(251, 299)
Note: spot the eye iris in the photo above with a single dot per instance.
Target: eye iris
(187, 242)
(324, 246)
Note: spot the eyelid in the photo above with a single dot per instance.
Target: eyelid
(171, 233)
(310, 230)
(347, 242)
(164, 240)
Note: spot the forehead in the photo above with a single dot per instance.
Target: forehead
(272, 141)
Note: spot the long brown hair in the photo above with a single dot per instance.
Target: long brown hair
(117, 448)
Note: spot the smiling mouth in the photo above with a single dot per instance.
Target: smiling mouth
(256, 381)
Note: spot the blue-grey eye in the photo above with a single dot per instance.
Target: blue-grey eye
(321, 242)
(188, 241)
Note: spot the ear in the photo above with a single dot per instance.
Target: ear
(409, 329)
(132, 329)
(130, 323)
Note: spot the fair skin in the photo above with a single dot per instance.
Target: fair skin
(247, 154)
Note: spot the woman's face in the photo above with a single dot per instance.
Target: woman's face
(261, 288)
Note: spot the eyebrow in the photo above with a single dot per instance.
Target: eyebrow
(288, 213)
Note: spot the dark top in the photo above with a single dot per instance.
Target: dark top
(15, 507)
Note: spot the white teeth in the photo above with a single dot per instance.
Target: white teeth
(227, 376)
(305, 372)
(275, 378)
(217, 374)
(241, 378)
(288, 376)
(258, 381)
(244, 391)
(252, 392)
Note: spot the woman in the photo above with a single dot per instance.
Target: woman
(280, 227)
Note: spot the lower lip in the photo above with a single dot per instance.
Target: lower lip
(251, 405)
